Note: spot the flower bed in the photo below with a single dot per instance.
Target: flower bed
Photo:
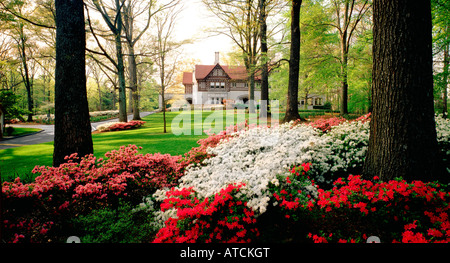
(118, 126)
(78, 186)
(288, 183)
(222, 218)
(300, 211)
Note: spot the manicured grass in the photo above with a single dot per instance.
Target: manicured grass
(20, 161)
(23, 131)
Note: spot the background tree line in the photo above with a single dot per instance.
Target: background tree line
(335, 54)
(120, 58)
(335, 48)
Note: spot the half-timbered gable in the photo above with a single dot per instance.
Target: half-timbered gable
(214, 84)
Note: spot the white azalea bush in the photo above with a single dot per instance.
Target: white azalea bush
(258, 155)
(254, 157)
(105, 126)
(342, 151)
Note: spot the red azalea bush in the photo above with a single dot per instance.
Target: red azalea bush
(325, 124)
(220, 218)
(394, 211)
(59, 193)
(389, 210)
(125, 125)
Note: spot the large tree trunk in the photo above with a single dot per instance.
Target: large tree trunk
(251, 92)
(344, 75)
(132, 68)
(294, 64)
(120, 66)
(163, 87)
(72, 124)
(402, 130)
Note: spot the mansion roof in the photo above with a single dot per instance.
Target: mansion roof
(203, 71)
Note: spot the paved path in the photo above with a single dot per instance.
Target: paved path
(47, 133)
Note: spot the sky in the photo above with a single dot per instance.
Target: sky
(193, 21)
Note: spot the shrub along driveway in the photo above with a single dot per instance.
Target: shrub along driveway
(19, 161)
(47, 133)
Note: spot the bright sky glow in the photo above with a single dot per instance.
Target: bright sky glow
(193, 22)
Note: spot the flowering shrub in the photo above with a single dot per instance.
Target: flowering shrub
(59, 193)
(395, 211)
(254, 157)
(341, 151)
(222, 217)
(354, 209)
(237, 184)
(294, 190)
(325, 124)
(118, 126)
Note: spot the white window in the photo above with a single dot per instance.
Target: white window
(222, 85)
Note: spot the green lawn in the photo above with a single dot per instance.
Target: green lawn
(23, 131)
(20, 161)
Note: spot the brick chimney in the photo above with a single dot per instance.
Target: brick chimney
(216, 59)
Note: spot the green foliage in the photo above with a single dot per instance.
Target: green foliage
(123, 224)
(9, 100)
(441, 50)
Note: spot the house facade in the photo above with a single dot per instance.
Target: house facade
(218, 84)
(312, 101)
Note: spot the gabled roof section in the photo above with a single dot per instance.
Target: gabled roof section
(187, 78)
(236, 72)
(218, 66)
(233, 72)
(202, 71)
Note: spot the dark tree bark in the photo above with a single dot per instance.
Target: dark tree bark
(294, 64)
(72, 124)
(264, 106)
(402, 130)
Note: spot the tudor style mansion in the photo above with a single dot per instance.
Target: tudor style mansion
(218, 84)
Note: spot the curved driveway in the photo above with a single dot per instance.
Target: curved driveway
(47, 133)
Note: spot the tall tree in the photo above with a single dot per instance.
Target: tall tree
(264, 106)
(294, 64)
(72, 124)
(164, 49)
(348, 14)
(318, 67)
(17, 28)
(112, 15)
(132, 10)
(402, 130)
